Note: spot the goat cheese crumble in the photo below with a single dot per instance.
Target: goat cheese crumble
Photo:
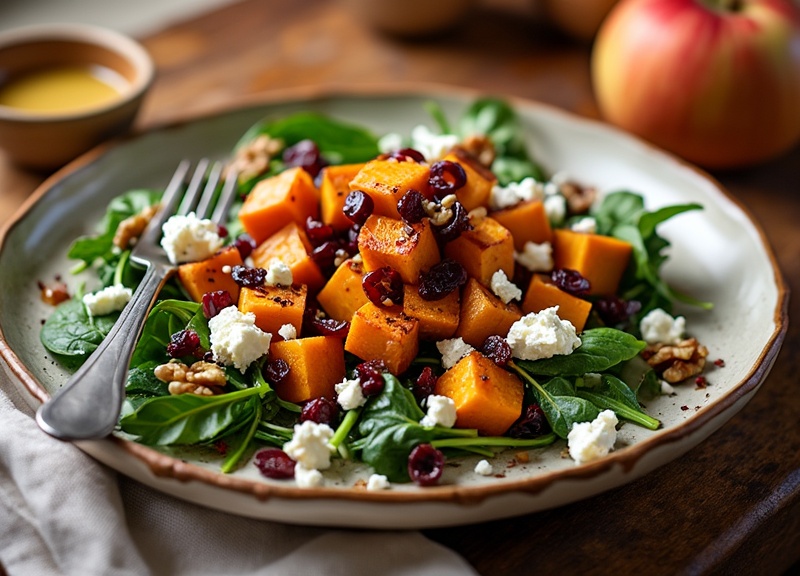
(287, 332)
(589, 441)
(109, 299)
(189, 238)
(350, 395)
(378, 482)
(659, 327)
(235, 338)
(484, 468)
(278, 273)
(307, 477)
(515, 192)
(542, 335)
(453, 350)
(441, 412)
(555, 206)
(586, 225)
(431, 145)
(536, 257)
(504, 288)
(309, 445)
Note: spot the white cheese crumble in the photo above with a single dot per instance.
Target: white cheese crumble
(504, 288)
(659, 327)
(390, 142)
(309, 445)
(589, 441)
(536, 257)
(431, 145)
(190, 239)
(350, 394)
(109, 299)
(287, 332)
(555, 206)
(666, 388)
(378, 482)
(453, 350)
(586, 225)
(484, 468)
(236, 340)
(542, 335)
(441, 412)
(516, 192)
(307, 477)
(278, 273)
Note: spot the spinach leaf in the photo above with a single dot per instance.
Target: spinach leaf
(613, 394)
(166, 318)
(70, 331)
(600, 349)
(240, 443)
(143, 382)
(640, 377)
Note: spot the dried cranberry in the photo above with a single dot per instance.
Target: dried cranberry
(531, 424)
(245, 245)
(614, 311)
(446, 177)
(306, 155)
(425, 465)
(370, 374)
(183, 343)
(320, 410)
(410, 207)
(443, 278)
(315, 323)
(214, 302)
(222, 231)
(350, 239)
(276, 371)
(318, 232)
(570, 281)
(274, 463)
(383, 287)
(358, 206)
(247, 277)
(453, 228)
(406, 155)
(425, 384)
(497, 350)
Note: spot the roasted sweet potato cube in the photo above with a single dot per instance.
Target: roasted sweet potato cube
(288, 197)
(343, 294)
(480, 180)
(410, 250)
(316, 365)
(542, 293)
(602, 260)
(483, 314)
(290, 244)
(387, 334)
(386, 181)
(484, 250)
(487, 397)
(438, 319)
(333, 189)
(527, 222)
(275, 306)
(207, 275)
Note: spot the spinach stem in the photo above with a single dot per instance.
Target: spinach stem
(344, 428)
(501, 441)
(118, 271)
(233, 459)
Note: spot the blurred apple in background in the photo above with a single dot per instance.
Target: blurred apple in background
(714, 81)
(578, 18)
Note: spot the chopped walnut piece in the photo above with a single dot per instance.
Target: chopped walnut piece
(481, 147)
(579, 198)
(253, 160)
(131, 228)
(201, 378)
(677, 362)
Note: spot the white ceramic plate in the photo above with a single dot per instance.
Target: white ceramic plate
(718, 254)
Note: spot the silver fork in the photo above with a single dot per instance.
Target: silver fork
(89, 405)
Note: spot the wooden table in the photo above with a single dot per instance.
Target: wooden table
(730, 505)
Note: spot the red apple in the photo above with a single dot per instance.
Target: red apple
(714, 81)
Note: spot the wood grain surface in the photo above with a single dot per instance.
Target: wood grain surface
(731, 505)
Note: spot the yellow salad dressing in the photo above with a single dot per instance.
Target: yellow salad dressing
(62, 89)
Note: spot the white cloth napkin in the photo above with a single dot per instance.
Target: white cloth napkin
(61, 512)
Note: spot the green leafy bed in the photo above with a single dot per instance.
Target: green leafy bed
(605, 372)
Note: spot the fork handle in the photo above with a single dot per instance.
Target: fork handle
(89, 405)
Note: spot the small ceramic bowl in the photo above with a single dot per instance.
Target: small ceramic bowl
(47, 139)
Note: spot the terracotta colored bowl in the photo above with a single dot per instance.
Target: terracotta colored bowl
(47, 141)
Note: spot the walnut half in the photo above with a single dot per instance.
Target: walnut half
(677, 362)
(129, 230)
(201, 378)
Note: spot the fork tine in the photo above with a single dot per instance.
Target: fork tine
(169, 200)
(195, 186)
(226, 198)
(206, 200)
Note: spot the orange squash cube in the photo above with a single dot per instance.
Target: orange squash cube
(386, 241)
(274, 306)
(542, 293)
(527, 222)
(316, 365)
(333, 190)
(480, 180)
(290, 244)
(438, 319)
(484, 250)
(386, 181)
(207, 275)
(343, 294)
(386, 334)
(288, 197)
(602, 260)
(483, 314)
(487, 397)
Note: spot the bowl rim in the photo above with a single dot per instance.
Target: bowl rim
(106, 38)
